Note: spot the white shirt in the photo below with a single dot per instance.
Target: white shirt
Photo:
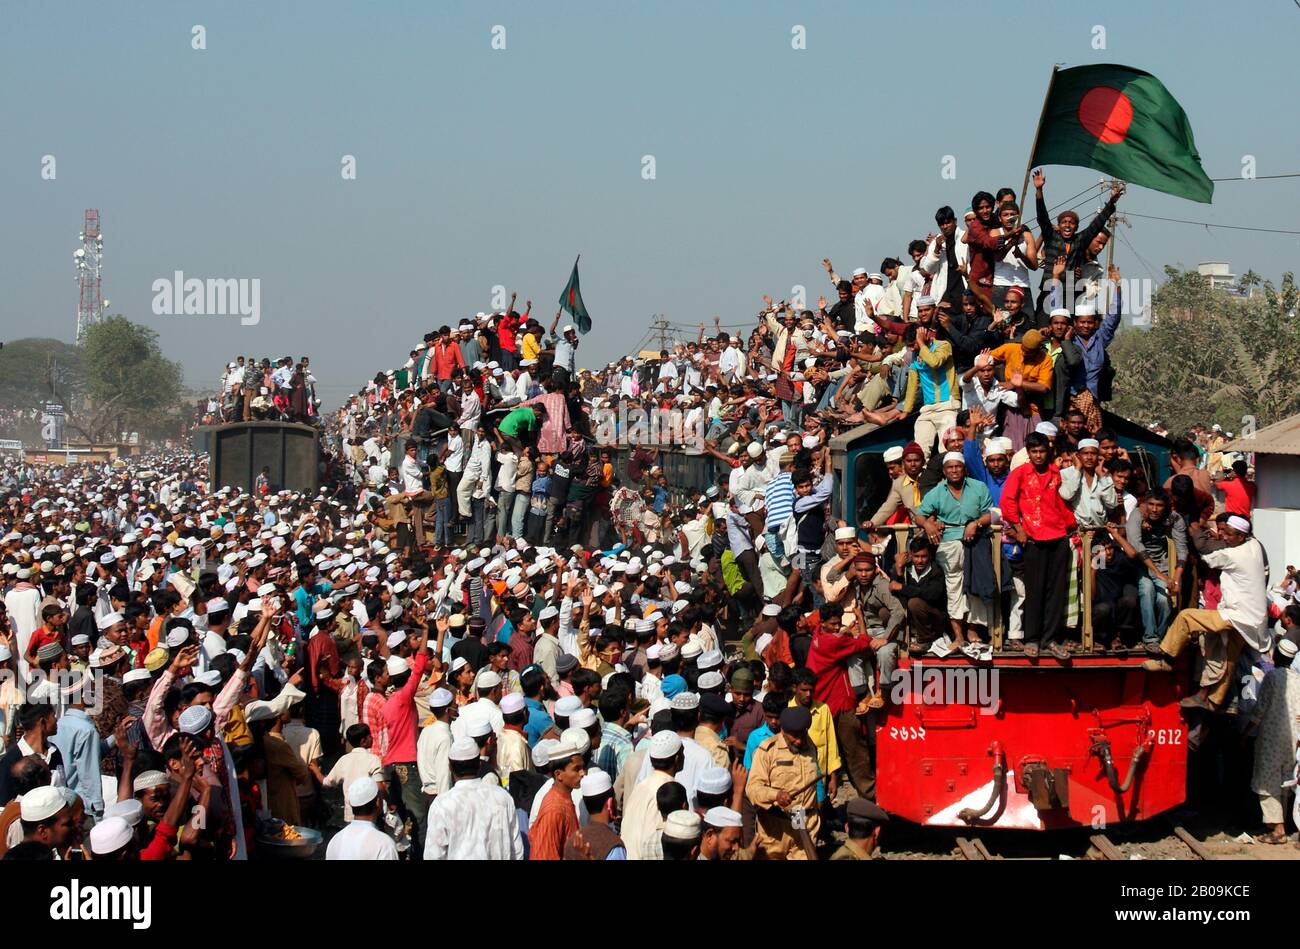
(509, 464)
(1244, 601)
(361, 840)
(473, 820)
(936, 263)
(470, 410)
(455, 452)
(412, 476)
(864, 307)
(357, 763)
(729, 364)
(431, 758)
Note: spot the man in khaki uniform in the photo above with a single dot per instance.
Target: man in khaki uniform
(862, 824)
(784, 777)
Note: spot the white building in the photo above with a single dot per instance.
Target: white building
(1276, 451)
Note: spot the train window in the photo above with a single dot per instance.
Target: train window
(870, 485)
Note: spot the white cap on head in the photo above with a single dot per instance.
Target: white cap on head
(567, 705)
(41, 804)
(110, 835)
(665, 744)
(595, 783)
(512, 703)
(583, 718)
(1238, 522)
(396, 665)
(720, 817)
(195, 720)
(845, 533)
(362, 791)
(463, 749)
(713, 780)
(1046, 428)
(683, 825)
(952, 456)
(487, 680)
(441, 698)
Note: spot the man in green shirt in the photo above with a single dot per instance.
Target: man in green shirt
(951, 514)
(520, 425)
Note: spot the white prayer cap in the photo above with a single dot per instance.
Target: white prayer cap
(720, 817)
(691, 650)
(860, 272)
(1046, 428)
(542, 752)
(686, 701)
(844, 533)
(108, 620)
(362, 791)
(665, 744)
(754, 449)
(396, 639)
(595, 783)
(547, 613)
(1239, 523)
(711, 680)
(567, 705)
(583, 718)
(954, 456)
(211, 678)
(195, 720)
(177, 637)
(130, 810)
(463, 749)
(573, 741)
(774, 609)
(1088, 443)
(1058, 311)
(487, 680)
(149, 779)
(710, 660)
(996, 446)
(41, 804)
(441, 698)
(110, 835)
(396, 665)
(512, 703)
(682, 825)
(713, 780)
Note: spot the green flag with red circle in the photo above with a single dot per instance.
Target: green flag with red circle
(1122, 121)
(571, 301)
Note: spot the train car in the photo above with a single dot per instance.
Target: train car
(1012, 743)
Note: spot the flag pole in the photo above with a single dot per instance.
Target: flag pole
(1033, 146)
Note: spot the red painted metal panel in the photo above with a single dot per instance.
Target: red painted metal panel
(935, 755)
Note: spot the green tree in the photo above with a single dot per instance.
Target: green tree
(1209, 357)
(130, 385)
(34, 371)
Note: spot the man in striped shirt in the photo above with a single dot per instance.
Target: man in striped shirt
(779, 495)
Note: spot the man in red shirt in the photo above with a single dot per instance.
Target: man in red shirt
(54, 619)
(507, 326)
(446, 358)
(1238, 492)
(400, 771)
(1036, 515)
(828, 659)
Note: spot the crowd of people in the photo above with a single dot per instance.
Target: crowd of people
(499, 631)
(265, 390)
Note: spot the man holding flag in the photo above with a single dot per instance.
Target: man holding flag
(566, 344)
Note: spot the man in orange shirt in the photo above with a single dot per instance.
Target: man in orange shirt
(557, 819)
(1027, 370)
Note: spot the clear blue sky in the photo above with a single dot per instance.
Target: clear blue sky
(478, 167)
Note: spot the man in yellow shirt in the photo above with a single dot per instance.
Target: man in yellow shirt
(1027, 371)
(821, 732)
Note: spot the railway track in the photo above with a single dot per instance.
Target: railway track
(1162, 838)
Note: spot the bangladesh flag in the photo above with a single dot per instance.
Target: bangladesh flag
(571, 301)
(1124, 122)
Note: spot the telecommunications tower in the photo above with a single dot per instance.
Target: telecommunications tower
(89, 260)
